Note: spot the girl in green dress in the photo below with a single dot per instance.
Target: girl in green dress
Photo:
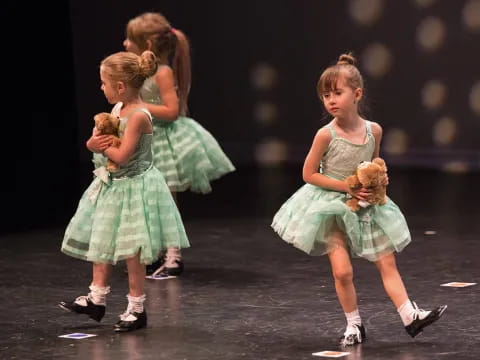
(187, 155)
(128, 214)
(317, 221)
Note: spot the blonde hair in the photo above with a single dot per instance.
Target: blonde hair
(129, 68)
(346, 68)
(170, 45)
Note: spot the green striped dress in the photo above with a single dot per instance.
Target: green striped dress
(125, 212)
(312, 214)
(186, 154)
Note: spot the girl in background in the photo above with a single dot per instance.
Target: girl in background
(186, 154)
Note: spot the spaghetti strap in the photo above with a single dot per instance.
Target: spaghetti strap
(332, 130)
(145, 110)
(118, 106)
(142, 109)
(368, 125)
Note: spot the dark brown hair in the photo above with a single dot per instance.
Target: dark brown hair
(345, 67)
(170, 45)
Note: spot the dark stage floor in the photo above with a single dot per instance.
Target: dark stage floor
(246, 294)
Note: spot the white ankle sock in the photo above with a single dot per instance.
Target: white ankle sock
(353, 318)
(98, 295)
(409, 311)
(135, 303)
(352, 334)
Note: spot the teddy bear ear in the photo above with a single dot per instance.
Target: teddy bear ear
(380, 162)
(97, 118)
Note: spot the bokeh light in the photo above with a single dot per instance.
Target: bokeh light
(444, 131)
(366, 12)
(270, 152)
(434, 93)
(263, 76)
(471, 15)
(456, 167)
(376, 60)
(431, 33)
(395, 141)
(265, 113)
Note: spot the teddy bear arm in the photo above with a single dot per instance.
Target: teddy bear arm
(378, 197)
(383, 197)
(116, 142)
(353, 182)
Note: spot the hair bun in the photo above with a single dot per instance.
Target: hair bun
(346, 59)
(148, 63)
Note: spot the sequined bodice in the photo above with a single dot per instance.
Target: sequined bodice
(150, 93)
(342, 156)
(142, 157)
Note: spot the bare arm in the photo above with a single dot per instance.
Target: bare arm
(377, 133)
(98, 143)
(165, 81)
(138, 124)
(312, 163)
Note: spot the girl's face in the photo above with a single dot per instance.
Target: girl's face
(130, 46)
(342, 100)
(108, 88)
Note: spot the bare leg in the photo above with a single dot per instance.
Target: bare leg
(392, 282)
(172, 252)
(135, 317)
(101, 274)
(343, 273)
(347, 296)
(94, 303)
(136, 276)
(413, 318)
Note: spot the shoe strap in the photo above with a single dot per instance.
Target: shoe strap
(419, 311)
(128, 316)
(352, 330)
(82, 300)
(350, 333)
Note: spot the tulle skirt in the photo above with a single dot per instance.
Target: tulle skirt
(188, 156)
(116, 221)
(310, 218)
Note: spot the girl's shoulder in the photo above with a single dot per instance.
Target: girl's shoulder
(140, 120)
(327, 131)
(164, 69)
(375, 128)
(164, 66)
(164, 74)
(325, 134)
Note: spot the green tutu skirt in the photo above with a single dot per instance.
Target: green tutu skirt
(310, 217)
(116, 221)
(188, 156)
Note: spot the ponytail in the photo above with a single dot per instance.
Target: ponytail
(181, 65)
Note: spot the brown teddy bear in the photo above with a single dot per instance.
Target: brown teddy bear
(107, 124)
(373, 176)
